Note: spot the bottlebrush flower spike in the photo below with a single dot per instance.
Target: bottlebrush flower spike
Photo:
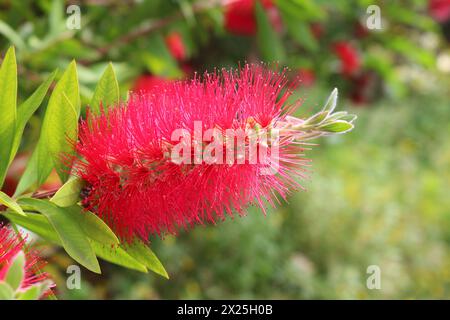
(11, 247)
(167, 159)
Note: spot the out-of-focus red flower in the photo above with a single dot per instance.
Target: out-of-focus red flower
(138, 189)
(362, 88)
(240, 16)
(305, 78)
(439, 10)
(174, 42)
(147, 83)
(10, 245)
(17, 168)
(317, 30)
(348, 56)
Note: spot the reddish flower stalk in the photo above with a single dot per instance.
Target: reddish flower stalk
(139, 188)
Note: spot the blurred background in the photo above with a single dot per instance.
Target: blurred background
(377, 196)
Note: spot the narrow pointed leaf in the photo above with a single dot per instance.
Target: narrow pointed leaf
(269, 43)
(16, 272)
(73, 239)
(35, 291)
(10, 203)
(93, 226)
(338, 126)
(60, 125)
(69, 193)
(118, 256)
(331, 102)
(40, 225)
(26, 110)
(6, 292)
(31, 293)
(145, 255)
(317, 118)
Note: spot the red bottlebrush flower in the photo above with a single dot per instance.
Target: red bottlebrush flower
(175, 43)
(349, 57)
(138, 188)
(148, 83)
(10, 245)
(439, 10)
(240, 16)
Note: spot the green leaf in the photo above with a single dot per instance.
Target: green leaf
(16, 272)
(93, 226)
(299, 30)
(56, 17)
(145, 255)
(337, 126)
(8, 112)
(343, 115)
(106, 92)
(269, 43)
(69, 193)
(31, 293)
(10, 203)
(59, 126)
(73, 239)
(26, 110)
(40, 225)
(6, 292)
(118, 256)
(331, 102)
(35, 291)
(158, 59)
